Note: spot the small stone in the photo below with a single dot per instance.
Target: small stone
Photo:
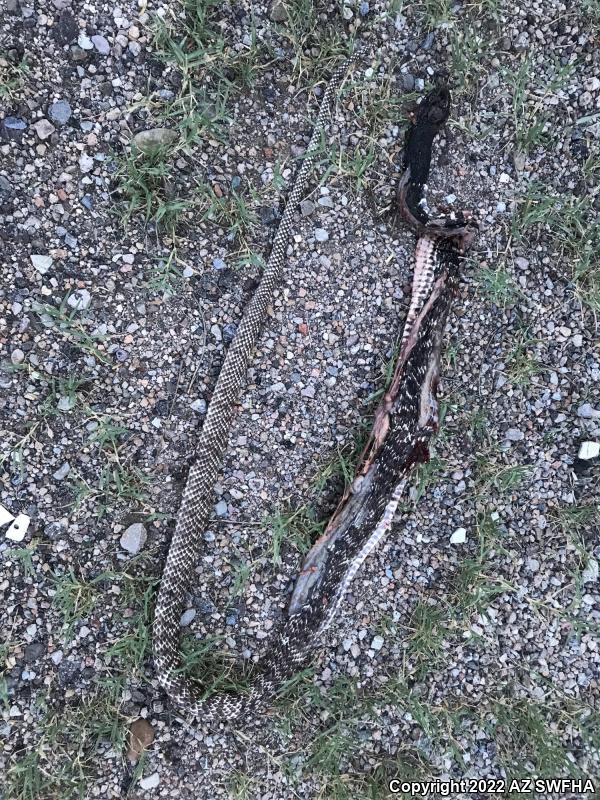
(321, 235)
(187, 617)
(590, 573)
(216, 332)
(229, 332)
(589, 450)
(85, 42)
(514, 435)
(78, 54)
(80, 299)
(60, 112)
(86, 163)
(221, 509)
(278, 12)
(459, 536)
(578, 340)
(408, 81)
(141, 736)
(586, 411)
(151, 782)
(199, 406)
(14, 123)
(307, 207)
(17, 356)
(44, 129)
(101, 44)
(377, 643)
(66, 403)
(134, 538)
(62, 472)
(150, 141)
(218, 263)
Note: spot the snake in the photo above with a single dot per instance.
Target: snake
(404, 422)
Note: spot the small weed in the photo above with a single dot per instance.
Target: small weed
(574, 230)
(426, 475)
(144, 181)
(230, 210)
(116, 483)
(298, 528)
(75, 599)
(12, 78)
(69, 324)
(427, 630)
(215, 670)
(498, 285)
(521, 365)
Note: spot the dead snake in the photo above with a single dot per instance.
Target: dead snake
(404, 422)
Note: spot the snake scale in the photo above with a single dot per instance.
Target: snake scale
(404, 421)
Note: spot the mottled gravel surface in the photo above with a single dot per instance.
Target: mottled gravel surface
(468, 646)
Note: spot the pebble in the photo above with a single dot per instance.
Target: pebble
(589, 450)
(101, 44)
(60, 112)
(44, 129)
(14, 123)
(134, 538)
(459, 536)
(514, 435)
(151, 782)
(141, 736)
(17, 356)
(80, 299)
(187, 617)
(218, 263)
(153, 139)
(590, 573)
(221, 509)
(586, 411)
(86, 163)
(321, 235)
(66, 403)
(62, 472)
(85, 42)
(199, 406)
(307, 207)
(377, 643)
(216, 332)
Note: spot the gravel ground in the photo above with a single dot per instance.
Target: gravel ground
(468, 646)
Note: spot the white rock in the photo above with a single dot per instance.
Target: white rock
(459, 536)
(86, 163)
(589, 450)
(18, 529)
(62, 472)
(85, 42)
(134, 538)
(5, 516)
(41, 263)
(187, 617)
(590, 573)
(151, 782)
(321, 235)
(80, 299)
(377, 643)
(66, 403)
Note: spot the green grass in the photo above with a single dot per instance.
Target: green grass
(70, 325)
(571, 232)
(521, 363)
(532, 120)
(498, 285)
(13, 77)
(427, 629)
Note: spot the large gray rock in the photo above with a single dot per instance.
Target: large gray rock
(134, 538)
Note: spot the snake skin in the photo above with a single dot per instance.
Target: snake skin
(404, 422)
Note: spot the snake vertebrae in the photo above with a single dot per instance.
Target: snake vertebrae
(404, 421)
